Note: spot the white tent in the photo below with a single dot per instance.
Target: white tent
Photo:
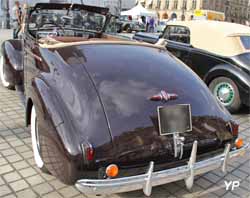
(139, 10)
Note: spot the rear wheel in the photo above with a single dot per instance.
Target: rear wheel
(46, 152)
(5, 83)
(227, 92)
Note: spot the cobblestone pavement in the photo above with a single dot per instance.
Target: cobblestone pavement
(20, 178)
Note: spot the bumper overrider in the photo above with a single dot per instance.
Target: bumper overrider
(149, 179)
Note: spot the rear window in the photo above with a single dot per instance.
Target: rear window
(245, 40)
(178, 34)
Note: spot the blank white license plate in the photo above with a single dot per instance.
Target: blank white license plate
(174, 118)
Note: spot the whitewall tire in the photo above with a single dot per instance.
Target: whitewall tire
(4, 82)
(35, 139)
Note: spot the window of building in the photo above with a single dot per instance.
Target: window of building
(175, 4)
(158, 4)
(193, 4)
(167, 4)
(178, 34)
(184, 6)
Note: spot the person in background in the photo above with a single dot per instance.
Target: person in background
(151, 24)
(147, 24)
(140, 20)
(156, 24)
(143, 18)
(17, 19)
(25, 7)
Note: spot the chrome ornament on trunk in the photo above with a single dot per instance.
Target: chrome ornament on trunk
(164, 96)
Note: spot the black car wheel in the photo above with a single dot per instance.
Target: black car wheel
(128, 29)
(227, 92)
(5, 83)
(46, 152)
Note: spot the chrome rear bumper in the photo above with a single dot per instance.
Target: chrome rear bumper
(148, 180)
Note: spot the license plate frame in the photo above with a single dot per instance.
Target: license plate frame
(169, 116)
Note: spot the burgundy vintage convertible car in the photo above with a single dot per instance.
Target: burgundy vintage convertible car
(112, 115)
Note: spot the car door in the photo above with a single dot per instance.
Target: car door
(178, 44)
(201, 62)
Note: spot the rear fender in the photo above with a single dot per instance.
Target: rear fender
(13, 61)
(241, 78)
(51, 116)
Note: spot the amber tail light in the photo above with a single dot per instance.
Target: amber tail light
(88, 152)
(239, 143)
(112, 170)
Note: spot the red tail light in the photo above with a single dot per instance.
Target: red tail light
(88, 152)
(234, 128)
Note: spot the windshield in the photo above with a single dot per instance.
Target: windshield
(245, 40)
(65, 22)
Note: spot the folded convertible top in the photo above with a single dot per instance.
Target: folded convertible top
(61, 6)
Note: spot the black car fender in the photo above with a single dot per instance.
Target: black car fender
(47, 106)
(240, 77)
(13, 61)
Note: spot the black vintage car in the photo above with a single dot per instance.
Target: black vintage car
(103, 115)
(129, 26)
(219, 52)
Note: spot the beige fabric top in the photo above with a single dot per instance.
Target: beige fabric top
(53, 43)
(221, 38)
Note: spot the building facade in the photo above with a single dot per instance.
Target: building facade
(235, 10)
(238, 11)
(114, 5)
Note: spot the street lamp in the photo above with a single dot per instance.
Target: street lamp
(118, 8)
(5, 6)
(120, 5)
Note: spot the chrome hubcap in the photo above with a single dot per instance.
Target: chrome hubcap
(225, 93)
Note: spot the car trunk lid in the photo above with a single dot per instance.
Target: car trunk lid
(127, 77)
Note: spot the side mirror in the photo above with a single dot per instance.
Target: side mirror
(161, 42)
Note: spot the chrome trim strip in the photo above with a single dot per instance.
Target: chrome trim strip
(225, 162)
(189, 181)
(147, 189)
(150, 179)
